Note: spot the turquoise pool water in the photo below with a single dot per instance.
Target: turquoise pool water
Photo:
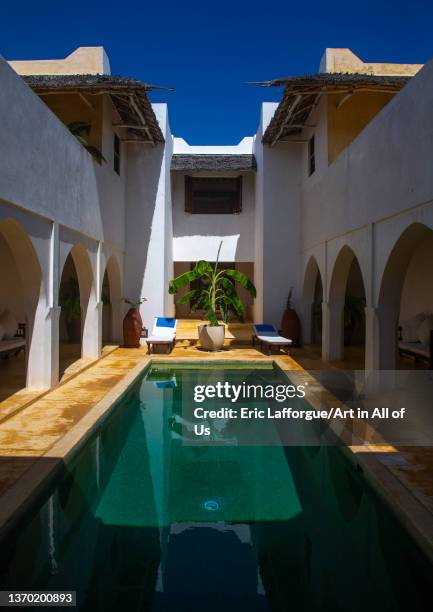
(141, 521)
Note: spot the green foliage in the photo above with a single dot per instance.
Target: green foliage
(353, 311)
(81, 130)
(69, 299)
(217, 291)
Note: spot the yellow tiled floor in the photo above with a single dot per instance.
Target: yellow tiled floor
(13, 394)
(29, 433)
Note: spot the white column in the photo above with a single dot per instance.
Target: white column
(381, 348)
(92, 327)
(332, 331)
(387, 334)
(372, 338)
(43, 337)
(92, 330)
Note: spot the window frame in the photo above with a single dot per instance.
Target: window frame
(116, 154)
(311, 155)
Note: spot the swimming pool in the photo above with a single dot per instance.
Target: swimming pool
(139, 520)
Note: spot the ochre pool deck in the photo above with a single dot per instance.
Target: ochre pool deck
(13, 394)
(31, 432)
(43, 429)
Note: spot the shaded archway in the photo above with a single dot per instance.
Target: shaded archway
(111, 296)
(406, 291)
(22, 304)
(313, 299)
(345, 317)
(77, 297)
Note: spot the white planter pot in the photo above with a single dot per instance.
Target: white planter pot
(211, 337)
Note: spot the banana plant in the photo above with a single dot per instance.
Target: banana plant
(217, 291)
(81, 130)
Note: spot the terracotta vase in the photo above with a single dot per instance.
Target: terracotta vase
(291, 326)
(132, 325)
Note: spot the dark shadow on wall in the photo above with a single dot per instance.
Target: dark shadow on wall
(143, 176)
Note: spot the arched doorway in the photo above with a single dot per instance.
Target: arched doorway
(406, 296)
(346, 311)
(111, 296)
(22, 301)
(313, 299)
(76, 298)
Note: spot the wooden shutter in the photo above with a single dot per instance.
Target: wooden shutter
(237, 207)
(188, 194)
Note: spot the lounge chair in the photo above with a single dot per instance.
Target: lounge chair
(267, 335)
(163, 333)
(417, 350)
(12, 346)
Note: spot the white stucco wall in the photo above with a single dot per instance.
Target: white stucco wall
(198, 236)
(277, 223)
(372, 192)
(386, 169)
(244, 147)
(60, 197)
(148, 263)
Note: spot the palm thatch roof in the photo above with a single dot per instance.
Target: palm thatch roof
(129, 97)
(302, 93)
(217, 162)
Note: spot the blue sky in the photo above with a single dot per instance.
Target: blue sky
(208, 51)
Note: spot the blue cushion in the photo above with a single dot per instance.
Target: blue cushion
(165, 384)
(264, 328)
(164, 322)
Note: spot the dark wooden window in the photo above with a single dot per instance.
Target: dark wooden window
(213, 196)
(116, 156)
(311, 156)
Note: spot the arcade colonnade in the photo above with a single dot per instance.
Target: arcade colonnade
(33, 252)
(385, 251)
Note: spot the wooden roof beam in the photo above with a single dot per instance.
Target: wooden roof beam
(286, 120)
(142, 118)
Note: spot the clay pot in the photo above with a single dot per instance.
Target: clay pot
(211, 337)
(132, 325)
(291, 326)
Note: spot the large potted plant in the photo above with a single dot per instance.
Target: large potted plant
(353, 316)
(216, 296)
(133, 323)
(354, 307)
(290, 324)
(69, 300)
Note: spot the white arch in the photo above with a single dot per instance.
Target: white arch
(32, 295)
(333, 311)
(112, 268)
(90, 307)
(390, 288)
(311, 274)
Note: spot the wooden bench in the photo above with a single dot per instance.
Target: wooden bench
(420, 352)
(13, 346)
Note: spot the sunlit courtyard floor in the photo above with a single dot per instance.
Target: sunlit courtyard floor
(13, 394)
